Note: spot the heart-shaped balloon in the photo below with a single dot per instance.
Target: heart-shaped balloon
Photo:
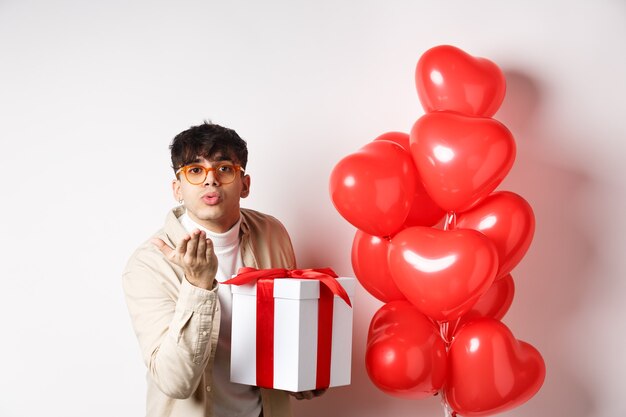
(369, 261)
(373, 188)
(424, 211)
(508, 221)
(405, 356)
(447, 78)
(490, 371)
(494, 303)
(400, 138)
(442, 273)
(460, 159)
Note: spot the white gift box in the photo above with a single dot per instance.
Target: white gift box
(295, 334)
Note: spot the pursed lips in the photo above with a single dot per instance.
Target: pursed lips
(211, 198)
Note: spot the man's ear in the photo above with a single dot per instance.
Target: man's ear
(245, 189)
(178, 195)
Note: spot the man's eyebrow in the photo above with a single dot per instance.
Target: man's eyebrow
(222, 158)
(217, 157)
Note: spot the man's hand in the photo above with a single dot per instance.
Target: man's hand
(194, 253)
(307, 394)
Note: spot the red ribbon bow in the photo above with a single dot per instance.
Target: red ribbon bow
(326, 276)
(265, 308)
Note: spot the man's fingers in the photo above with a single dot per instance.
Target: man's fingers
(208, 252)
(296, 395)
(182, 246)
(202, 245)
(318, 392)
(303, 395)
(162, 246)
(192, 246)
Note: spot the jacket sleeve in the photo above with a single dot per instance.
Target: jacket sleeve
(174, 325)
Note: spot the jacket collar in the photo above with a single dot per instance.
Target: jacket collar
(174, 230)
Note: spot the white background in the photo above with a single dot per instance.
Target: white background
(91, 93)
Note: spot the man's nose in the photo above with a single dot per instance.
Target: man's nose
(211, 178)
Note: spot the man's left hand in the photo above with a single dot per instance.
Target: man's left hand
(307, 395)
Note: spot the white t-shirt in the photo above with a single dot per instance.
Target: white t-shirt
(230, 399)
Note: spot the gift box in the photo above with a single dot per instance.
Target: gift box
(291, 330)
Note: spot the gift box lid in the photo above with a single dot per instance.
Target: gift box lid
(295, 288)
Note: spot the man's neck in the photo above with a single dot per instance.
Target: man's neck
(215, 227)
(225, 238)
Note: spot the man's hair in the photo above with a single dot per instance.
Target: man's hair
(206, 141)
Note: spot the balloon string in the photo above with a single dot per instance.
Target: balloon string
(446, 331)
(447, 410)
(450, 223)
(443, 331)
(453, 330)
(444, 328)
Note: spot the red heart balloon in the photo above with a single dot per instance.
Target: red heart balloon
(460, 159)
(443, 273)
(424, 211)
(490, 371)
(373, 188)
(405, 356)
(400, 138)
(494, 303)
(369, 261)
(448, 78)
(508, 221)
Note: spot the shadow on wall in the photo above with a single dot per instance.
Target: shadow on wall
(551, 280)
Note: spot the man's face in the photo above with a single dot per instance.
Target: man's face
(212, 204)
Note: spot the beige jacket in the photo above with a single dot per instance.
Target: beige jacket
(177, 324)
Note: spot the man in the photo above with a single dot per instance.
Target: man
(180, 312)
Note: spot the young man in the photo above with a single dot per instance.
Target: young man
(180, 312)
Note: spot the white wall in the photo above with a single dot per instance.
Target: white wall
(91, 94)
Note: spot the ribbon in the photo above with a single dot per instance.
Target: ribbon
(326, 276)
(264, 279)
